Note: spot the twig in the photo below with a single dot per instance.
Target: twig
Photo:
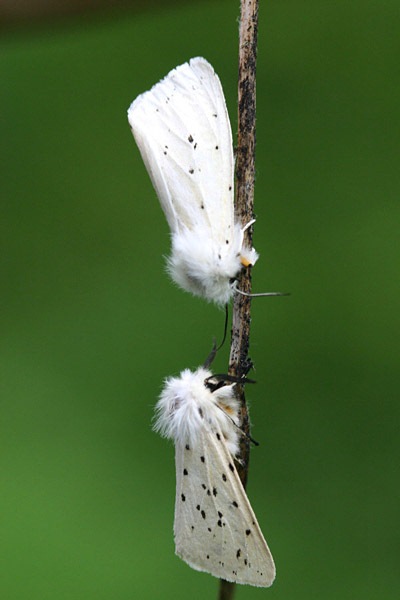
(245, 168)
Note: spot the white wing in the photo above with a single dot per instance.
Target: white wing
(182, 129)
(215, 527)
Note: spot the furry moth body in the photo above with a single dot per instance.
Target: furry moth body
(182, 129)
(215, 528)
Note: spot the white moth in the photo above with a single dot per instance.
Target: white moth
(182, 129)
(215, 527)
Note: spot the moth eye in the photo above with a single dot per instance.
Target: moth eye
(232, 280)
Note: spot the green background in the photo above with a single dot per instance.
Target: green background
(90, 323)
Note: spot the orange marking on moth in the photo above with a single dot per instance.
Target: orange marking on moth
(227, 409)
(245, 262)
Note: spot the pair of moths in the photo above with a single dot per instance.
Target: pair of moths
(182, 129)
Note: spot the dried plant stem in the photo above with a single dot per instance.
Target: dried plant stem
(245, 169)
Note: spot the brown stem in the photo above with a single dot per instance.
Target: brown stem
(245, 169)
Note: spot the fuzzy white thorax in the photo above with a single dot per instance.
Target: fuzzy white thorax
(206, 267)
(188, 407)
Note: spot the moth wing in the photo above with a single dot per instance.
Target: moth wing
(182, 129)
(215, 527)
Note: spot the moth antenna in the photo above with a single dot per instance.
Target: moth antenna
(215, 348)
(211, 356)
(225, 327)
(248, 225)
(258, 295)
(223, 378)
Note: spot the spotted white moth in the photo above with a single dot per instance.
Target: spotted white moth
(215, 527)
(182, 129)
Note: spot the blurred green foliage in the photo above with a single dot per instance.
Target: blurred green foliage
(90, 323)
